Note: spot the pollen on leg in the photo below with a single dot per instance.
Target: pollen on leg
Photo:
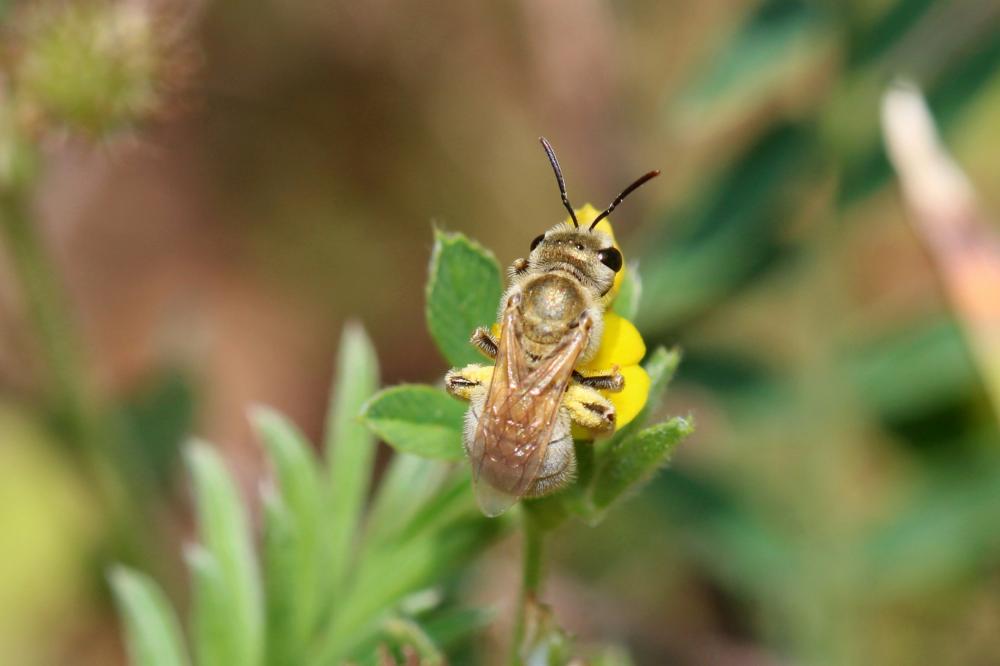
(606, 412)
(465, 382)
(458, 381)
(589, 408)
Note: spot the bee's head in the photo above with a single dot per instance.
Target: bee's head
(589, 251)
(591, 255)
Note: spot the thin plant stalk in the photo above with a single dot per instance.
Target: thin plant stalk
(48, 312)
(79, 418)
(531, 580)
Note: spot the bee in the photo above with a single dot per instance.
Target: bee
(518, 425)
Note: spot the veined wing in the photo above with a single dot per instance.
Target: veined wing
(518, 416)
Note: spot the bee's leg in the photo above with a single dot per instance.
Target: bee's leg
(605, 381)
(589, 408)
(465, 383)
(559, 466)
(518, 267)
(485, 342)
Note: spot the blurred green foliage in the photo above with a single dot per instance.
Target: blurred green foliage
(818, 505)
(334, 580)
(838, 501)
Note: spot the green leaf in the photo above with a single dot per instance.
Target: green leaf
(392, 573)
(350, 449)
(215, 638)
(627, 302)
(226, 538)
(444, 533)
(152, 632)
(661, 367)
(293, 559)
(286, 635)
(633, 462)
(407, 483)
(418, 419)
(463, 292)
(454, 501)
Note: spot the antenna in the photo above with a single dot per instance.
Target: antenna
(559, 179)
(627, 191)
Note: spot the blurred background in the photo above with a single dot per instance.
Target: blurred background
(187, 228)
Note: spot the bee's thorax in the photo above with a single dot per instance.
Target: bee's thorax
(551, 306)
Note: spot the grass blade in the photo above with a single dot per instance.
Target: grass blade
(294, 531)
(152, 632)
(229, 566)
(215, 641)
(393, 573)
(286, 634)
(407, 483)
(350, 449)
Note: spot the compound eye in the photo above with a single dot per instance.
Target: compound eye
(611, 258)
(535, 242)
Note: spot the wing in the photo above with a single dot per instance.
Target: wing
(518, 416)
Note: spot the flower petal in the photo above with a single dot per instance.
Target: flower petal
(631, 399)
(621, 345)
(628, 402)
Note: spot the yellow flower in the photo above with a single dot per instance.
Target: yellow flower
(621, 345)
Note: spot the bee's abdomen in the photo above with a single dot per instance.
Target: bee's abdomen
(552, 305)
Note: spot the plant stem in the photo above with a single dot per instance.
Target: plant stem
(531, 578)
(78, 417)
(47, 310)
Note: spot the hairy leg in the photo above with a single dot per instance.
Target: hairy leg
(468, 382)
(518, 267)
(589, 408)
(611, 380)
(484, 341)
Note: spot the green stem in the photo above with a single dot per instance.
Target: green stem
(48, 313)
(78, 416)
(531, 578)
